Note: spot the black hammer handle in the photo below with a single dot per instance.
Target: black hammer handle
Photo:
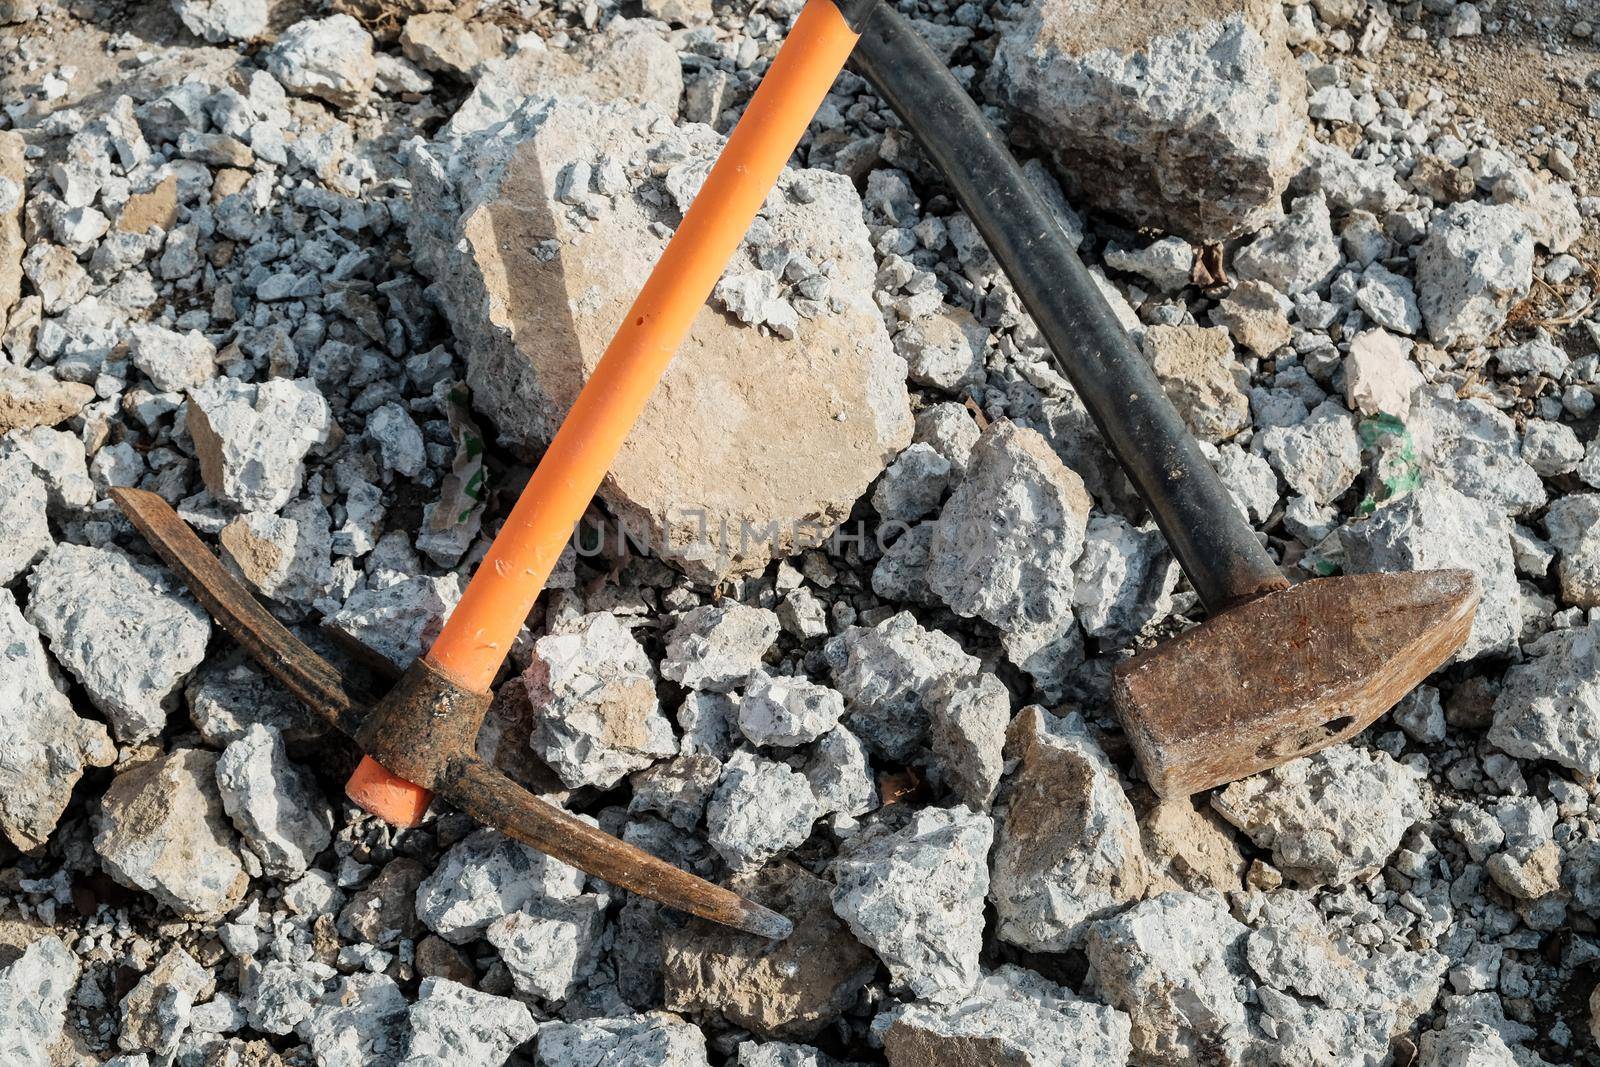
(1217, 549)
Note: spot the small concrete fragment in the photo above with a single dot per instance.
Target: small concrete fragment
(329, 58)
(1004, 545)
(30, 398)
(1190, 848)
(1476, 262)
(761, 809)
(1379, 378)
(156, 1011)
(885, 672)
(1175, 964)
(1197, 369)
(47, 746)
(1319, 457)
(251, 439)
(656, 1039)
(219, 21)
(551, 947)
(1573, 523)
(715, 647)
(1329, 817)
(1468, 444)
(1295, 254)
(1549, 708)
(1067, 844)
(127, 632)
(162, 829)
(1256, 316)
(786, 712)
(1124, 579)
(453, 1025)
(276, 806)
(967, 735)
(487, 875)
(34, 993)
(1100, 83)
(593, 692)
(1013, 1017)
(915, 897)
(791, 988)
(24, 521)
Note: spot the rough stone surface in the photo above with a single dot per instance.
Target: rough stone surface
(1174, 963)
(884, 672)
(162, 829)
(725, 469)
(125, 631)
(656, 1039)
(1574, 533)
(1004, 544)
(1329, 817)
(787, 712)
(792, 988)
(223, 20)
(1550, 706)
(1192, 124)
(487, 875)
(1476, 262)
(1067, 845)
(1190, 848)
(915, 897)
(1196, 367)
(251, 439)
(329, 58)
(1467, 444)
(717, 646)
(30, 398)
(760, 809)
(1013, 1017)
(552, 947)
(276, 806)
(46, 746)
(1295, 254)
(157, 1011)
(967, 734)
(1319, 457)
(593, 692)
(34, 992)
(13, 191)
(451, 1024)
(1378, 376)
(24, 522)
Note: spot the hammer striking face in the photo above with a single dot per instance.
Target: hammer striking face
(1287, 674)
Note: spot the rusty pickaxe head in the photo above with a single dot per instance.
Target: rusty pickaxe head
(426, 730)
(1286, 673)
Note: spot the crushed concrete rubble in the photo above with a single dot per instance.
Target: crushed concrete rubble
(838, 631)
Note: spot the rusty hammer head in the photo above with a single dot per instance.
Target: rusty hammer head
(1287, 673)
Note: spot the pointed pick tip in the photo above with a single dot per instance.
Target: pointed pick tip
(764, 922)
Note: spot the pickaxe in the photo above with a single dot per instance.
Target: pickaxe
(420, 738)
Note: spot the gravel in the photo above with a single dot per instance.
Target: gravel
(838, 630)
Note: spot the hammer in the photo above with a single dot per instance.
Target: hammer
(1277, 671)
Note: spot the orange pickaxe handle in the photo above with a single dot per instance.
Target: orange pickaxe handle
(478, 635)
